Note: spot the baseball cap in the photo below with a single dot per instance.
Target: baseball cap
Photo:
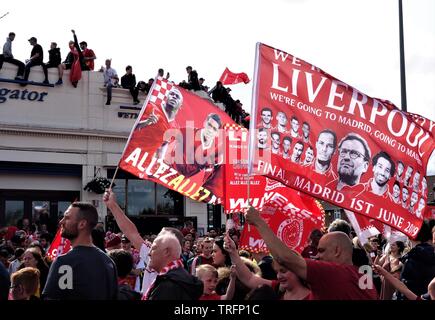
(32, 38)
(116, 240)
(124, 239)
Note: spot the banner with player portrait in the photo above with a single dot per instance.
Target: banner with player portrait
(177, 142)
(316, 134)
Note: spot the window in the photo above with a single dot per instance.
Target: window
(140, 197)
(143, 197)
(168, 201)
(14, 211)
(62, 206)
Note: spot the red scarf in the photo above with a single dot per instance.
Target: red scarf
(171, 266)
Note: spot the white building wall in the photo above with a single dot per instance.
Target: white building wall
(71, 126)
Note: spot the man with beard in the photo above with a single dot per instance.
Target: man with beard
(309, 156)
(383, 170)
(286, 144)
(262, 139)
(297, 152)
(353, 161)
(396, 193)
(266, 117)
(325, 148)
(85, 272)
(200, 159)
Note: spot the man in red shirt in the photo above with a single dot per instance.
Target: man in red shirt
(334, 277)
(205, 257)
(88, 55)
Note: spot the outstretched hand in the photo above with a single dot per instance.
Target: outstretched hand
(109, 198)
(152, 119)
(252, 216)
(379, 270)
(229, 244)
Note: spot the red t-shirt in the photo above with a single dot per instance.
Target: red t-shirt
(332, 281)
(213, 296)
(88, 53)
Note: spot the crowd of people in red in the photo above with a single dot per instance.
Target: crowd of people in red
(177, 264)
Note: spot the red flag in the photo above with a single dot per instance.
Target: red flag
(177, 142)
(364, 227)
(319, 135)
(291, 215)
(59, 246)
(229, 77)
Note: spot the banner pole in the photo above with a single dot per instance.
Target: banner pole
(253, 121)
(113, 178)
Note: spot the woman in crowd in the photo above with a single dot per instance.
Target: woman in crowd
(32, 258)
(24, 284)
(390, 261)
(221, 257)
(287, 285)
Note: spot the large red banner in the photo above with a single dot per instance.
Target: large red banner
(59, 246)
(178, 142)
(290, 214)
(319, 135)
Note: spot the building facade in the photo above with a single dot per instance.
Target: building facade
(54, 140)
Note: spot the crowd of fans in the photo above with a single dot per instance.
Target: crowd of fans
(81, 58)
(180, 264)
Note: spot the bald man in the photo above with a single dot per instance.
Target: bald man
(334, 277)
(165, 277)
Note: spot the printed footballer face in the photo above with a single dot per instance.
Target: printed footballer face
(282, 119)
(174, 101)
(325, 147)
(286, 143)
(405, 195)
(275, 140)
(211, 129)
(295, 125)
(262, 137)
(382, 171)
(266, 116)
(396, 191)
(400, 169)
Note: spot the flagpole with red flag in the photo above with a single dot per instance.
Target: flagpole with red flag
(135, 124)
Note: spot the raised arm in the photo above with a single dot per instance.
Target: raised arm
(125, 224)
(231, 286)
(396, 283)
(285, 256)
(249, 279)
